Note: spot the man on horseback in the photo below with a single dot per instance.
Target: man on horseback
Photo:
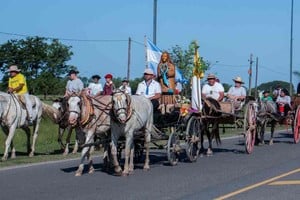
(284, 102)
(17, 85)
(213, 89)
(74, 85)
(95, 88)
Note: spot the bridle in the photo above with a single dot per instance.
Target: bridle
(128, 110)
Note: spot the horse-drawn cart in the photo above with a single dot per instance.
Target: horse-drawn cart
(207, 122)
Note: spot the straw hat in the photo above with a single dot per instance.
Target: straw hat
(238, 79)
(211, 76)
(14, 68)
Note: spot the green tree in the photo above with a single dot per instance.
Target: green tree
(42, 61)
(184, 60)
(272, 85)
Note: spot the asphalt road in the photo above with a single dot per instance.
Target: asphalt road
(270, 172)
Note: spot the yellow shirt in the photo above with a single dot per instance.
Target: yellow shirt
(15, 81)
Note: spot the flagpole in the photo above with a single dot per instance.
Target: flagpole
(145, 45)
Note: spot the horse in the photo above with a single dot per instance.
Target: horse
(90, 116)
(266, 114)
(61, 105)
(130, 114)
(211, 112)
(13, 115)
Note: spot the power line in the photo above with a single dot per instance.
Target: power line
(63, 39)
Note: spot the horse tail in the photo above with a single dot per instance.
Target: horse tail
(50, 112)
(216, 133)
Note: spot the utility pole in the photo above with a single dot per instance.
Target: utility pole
(129, 55)
(250, 74)
(256, 77)
(154, 20)
(291, 51)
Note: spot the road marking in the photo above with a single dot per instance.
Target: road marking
(250, 187)
(294, 182)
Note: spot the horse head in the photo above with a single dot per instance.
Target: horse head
(74, 108)
(121, 105)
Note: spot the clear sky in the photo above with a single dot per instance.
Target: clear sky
(227, 32)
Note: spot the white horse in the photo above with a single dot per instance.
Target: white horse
(90, 116)
(130, 114)
(13, 115)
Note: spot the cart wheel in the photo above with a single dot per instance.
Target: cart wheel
(249, 127)
(173, 149)
(193, 131)
(297, 125)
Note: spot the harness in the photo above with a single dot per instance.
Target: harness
(128, 111)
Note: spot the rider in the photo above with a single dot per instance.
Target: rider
(284, 102)
(17, 85)
(237, 93)
(125, 86)
(150, 89)
(74, 85)
(109, 85)
(266, 96)
(95, 88)
(213, 89)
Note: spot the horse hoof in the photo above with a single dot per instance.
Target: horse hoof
(31, 155)
(271, 142)
(118, 173)
(91, 171)
(124, 174)
(78, 173)
(146, 169)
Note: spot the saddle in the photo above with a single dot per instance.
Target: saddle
(22, 101)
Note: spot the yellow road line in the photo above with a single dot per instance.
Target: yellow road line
(256, 185)
(285, 183)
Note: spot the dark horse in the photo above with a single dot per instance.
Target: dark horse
(211, 114)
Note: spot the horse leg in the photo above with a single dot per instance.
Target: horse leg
(13, 150)
(10, 134)
(128, 147)
(35, 135)
(68, 139)
(75, 150)
(272, 132)
(131, 159)
(114, 144)
(27, 131)
(202, 141)
(146, 144)
(60, 136)
(209, 151)
(262, 132)
(90, 160)
(85, 152)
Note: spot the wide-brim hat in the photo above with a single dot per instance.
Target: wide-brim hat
(73, 71)
(148, 71)
(14, 68)
(238, 79)
(108, 76)
(211, 76)
(96, 77)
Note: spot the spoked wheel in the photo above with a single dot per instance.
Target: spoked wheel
(173, 149)
(249, 127)
(193, 131)
(297, 125)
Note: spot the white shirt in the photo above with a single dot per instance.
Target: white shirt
(237, 91)
(127, 89)
(75, 85)
(213, 91)
(286, 100)
(95, 88)
(154, 88)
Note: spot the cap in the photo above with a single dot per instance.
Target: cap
(148, 71)
(125, 80)
(108, 76)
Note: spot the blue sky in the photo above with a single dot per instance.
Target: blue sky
(227, 31)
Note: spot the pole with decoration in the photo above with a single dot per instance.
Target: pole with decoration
(196, 81)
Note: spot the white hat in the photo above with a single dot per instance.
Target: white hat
(148, 71)
(238, 79)
(211, 76)
(14, 68)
